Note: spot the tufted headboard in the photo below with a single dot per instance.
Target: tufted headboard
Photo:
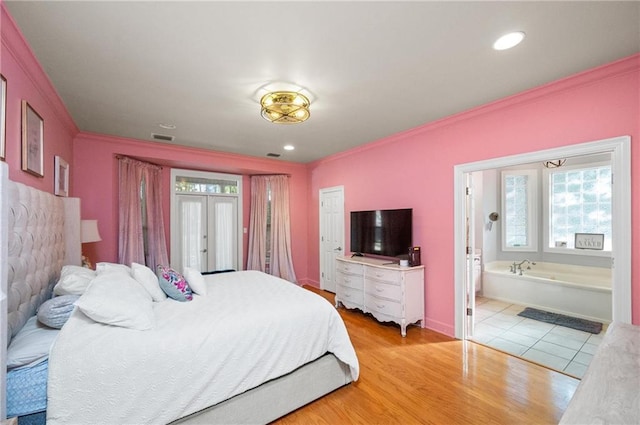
(39, 233)
(36, 249)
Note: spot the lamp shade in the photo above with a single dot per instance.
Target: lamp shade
(89, 231)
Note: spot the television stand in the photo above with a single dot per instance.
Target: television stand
(389, 292)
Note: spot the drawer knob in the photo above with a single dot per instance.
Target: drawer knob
(380, 305)
(379, 289)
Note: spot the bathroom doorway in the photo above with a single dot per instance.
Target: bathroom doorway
(469, 228)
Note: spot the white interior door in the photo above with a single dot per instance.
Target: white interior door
(331, 234)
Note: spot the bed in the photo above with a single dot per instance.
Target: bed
(289, 345)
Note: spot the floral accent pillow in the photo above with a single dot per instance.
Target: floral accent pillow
(174, 284)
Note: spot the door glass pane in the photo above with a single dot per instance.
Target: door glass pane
(224, 235)
(191, 234)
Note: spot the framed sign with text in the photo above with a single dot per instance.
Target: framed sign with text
(590, 241)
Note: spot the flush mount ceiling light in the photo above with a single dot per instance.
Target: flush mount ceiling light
(285, 107)
(508, 41)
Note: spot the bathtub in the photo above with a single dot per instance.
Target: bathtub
(578, 291)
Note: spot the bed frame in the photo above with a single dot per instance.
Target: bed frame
(39, 233)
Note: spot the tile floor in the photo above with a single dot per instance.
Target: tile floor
(498, 325)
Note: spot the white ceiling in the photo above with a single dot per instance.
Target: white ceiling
(373, 68)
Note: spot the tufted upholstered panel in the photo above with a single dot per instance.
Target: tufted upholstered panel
(36, 251)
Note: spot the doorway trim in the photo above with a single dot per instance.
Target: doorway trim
(620, 150)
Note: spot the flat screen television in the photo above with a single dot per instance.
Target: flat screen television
(386, 233)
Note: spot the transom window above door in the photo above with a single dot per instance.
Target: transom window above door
(191, 184)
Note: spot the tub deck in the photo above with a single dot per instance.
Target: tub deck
(577, 291)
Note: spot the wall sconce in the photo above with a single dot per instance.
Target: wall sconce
(88, 234)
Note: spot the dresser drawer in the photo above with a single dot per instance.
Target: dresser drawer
(350, 297)
(375, 304)
(384, 290)
(347, 267)
(350, 280)
(384, 275)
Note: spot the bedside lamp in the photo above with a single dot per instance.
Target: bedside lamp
(88, 234)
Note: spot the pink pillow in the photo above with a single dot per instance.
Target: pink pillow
(174, 284)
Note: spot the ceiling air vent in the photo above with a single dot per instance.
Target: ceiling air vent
(273, 155)
(162, 137)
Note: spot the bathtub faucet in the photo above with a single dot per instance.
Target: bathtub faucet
(518, 266)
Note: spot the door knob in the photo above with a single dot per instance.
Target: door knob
(338, 249)
(204, 250)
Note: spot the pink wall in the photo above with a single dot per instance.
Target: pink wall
(95, 176)
(26, 80)
(596, 104)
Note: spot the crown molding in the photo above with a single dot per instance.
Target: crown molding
(13, 43)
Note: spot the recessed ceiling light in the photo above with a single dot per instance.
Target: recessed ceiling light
(508, 41)
(289, 147)
(167, 126)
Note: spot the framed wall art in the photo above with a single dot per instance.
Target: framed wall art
(32, 141)
(3, 115)
(61, 177)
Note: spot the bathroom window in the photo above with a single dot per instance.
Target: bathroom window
(579, 201)
(519, 194)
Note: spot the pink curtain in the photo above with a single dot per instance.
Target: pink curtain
(281, 258)
(257, 255)
(131, 242)
(156, 241)
(278, 242)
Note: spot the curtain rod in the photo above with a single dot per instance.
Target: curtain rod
(268, 175)
(136, 159)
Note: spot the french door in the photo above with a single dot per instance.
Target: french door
(207, 239)
(206, 220)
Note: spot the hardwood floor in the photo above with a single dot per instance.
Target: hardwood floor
(429, 378)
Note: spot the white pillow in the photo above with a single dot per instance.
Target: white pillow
(195, 280)
(73, 280)
(110, 267)
(31, 344)
(149, 281)
(119, 300)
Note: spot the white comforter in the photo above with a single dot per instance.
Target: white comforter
(248, 329)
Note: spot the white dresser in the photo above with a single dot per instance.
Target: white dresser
(389, 292)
